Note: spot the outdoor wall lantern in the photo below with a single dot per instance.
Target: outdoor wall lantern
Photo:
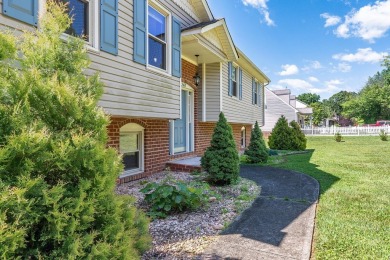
(196, 77)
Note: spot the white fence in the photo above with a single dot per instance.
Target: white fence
(351, 130)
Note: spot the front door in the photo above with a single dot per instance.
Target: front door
(180, 130)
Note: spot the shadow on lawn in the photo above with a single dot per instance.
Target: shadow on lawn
(285, 195)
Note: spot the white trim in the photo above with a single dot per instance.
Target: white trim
(188, 119)
(168, 34)
(220, 87)
(192, 137)
(180, 99)
(172, 137)
(204, 92)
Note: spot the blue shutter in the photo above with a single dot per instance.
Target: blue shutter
(23, 10)
(230, 91)
(253, 90)
(139, 33)
(240, 84)
(258, 94)
(109, 26)
(176, 48)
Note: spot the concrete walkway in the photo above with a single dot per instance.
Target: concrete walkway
(280, 223)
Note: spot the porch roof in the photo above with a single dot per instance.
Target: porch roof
(210, 40)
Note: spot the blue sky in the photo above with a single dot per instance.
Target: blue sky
(317, 46)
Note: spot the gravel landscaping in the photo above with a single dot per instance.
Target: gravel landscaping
(185, 235)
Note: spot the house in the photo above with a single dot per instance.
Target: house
(281, 102)
(148, 53)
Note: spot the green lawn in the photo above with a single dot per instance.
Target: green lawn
(353, 215)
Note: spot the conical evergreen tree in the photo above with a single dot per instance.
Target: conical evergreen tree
(257, 151)
(57, 177)
(281, 136)
(299, 138)
(221, 159)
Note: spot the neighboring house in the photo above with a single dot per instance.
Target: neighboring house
(146, 54)
(281, 102)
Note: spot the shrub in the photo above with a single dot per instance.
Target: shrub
(338, 137)
(174, 196)
(298, 137)
(57, 177)
(383, 135)
(221, 160)
(257, 151)
(281, 136)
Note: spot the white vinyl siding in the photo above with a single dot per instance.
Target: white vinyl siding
(276, 107)
(240, 111)
(131, 89)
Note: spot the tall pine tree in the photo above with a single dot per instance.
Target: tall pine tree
(57, 177)
(221, 159)
(257, 151)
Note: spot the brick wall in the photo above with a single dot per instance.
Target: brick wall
(156, 143)
(206, 130)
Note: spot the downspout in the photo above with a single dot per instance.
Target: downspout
(263, 117)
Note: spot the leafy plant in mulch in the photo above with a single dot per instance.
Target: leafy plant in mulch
(172, 196)
(257, 151)
(383, 135)
(57, 177)
(221, 160)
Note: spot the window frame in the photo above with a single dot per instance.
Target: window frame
(134, 128)
(236, 82)
(256, 93)
(168, 35)
(93, 26)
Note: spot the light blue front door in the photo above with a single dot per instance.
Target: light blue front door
(180, 130)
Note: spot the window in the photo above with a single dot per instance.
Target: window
(234, 81)
(130, 146)
(79, 11)
(255, 95)
(157, 38)
(243, 135)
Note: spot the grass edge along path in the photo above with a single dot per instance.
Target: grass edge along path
(353, 214)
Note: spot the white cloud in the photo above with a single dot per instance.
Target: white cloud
(343, 67)
(362, 56)
(261, 5)
(313, 79)
(369, 22)
(333, 82)
(330, 20)
(289, 69)
(313, 65)
(295, 83)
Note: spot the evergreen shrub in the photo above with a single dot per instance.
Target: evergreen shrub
(257, 150)
(57, 177)
(281, 137)
(298, 137)
(221, 160)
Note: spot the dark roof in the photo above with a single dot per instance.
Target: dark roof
(200, 25)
